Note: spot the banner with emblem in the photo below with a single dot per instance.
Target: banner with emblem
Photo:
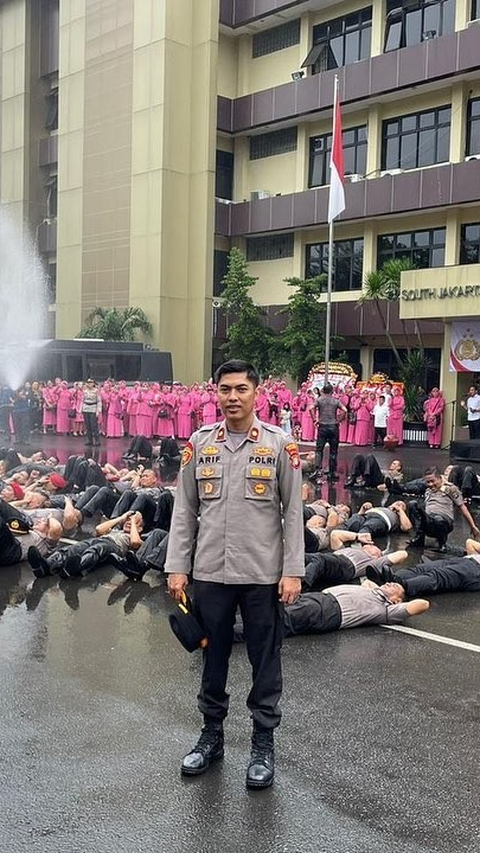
(465, 347)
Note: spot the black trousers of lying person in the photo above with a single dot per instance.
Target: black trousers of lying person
(83, 557)
(326, 569)
(368, 468)
(433, 576)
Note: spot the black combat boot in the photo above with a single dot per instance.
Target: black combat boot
(208, 748)
(261, 769)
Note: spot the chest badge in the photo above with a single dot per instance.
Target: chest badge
(211, 450)
(259, 488)
(208, 472)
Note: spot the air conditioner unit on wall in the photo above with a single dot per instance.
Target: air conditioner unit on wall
(258, 195)
(474, 23)
(392, 172)
(354, 178)
(472, 157)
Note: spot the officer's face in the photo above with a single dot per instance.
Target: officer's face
(394, 592)
(236, 395)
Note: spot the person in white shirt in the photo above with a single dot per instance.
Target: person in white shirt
(380, 415)
(472, 405)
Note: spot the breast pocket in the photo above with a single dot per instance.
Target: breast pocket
(260, 482)
(209, 480)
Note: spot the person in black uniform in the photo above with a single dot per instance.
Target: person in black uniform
(460, 574)
(325, 413)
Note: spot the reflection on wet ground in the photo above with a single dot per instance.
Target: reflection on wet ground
(378, 749)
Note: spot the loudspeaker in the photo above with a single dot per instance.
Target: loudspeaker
(465, 450)
(156, 366)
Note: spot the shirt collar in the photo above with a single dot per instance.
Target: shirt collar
(253, 433)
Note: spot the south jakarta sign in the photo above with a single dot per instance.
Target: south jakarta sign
(456, 292)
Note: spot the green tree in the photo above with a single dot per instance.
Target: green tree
(302, 342)
(247, 335)
(113, 324)
(377, 289)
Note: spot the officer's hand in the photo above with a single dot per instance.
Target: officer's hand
(289, 589)
(475, 532)
(177, 583)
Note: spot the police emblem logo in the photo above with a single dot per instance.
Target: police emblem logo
(254, 433)
(211, 450)
(207, 472)
(259, 488)
(263, 451)
(187, 454)
(221, 434)
(292, 451)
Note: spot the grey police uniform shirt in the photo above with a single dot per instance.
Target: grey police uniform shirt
(360, 605)
(443, 501)
(238, 497)
(361, 559)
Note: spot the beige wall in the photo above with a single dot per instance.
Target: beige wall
(439, 281)
(14, 108)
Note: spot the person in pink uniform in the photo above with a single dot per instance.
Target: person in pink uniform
(284, 395)
(114, 425)
(395, 415)
(123, 393)
(195, 404)
(184, 414)
(344, 399)
(166, 414)
(307, 423)
(371, 401)
(64, 404)
(262, 405)
(352, 415)
(208, 402)
(434, 409)
(49, 407)
(132, 406)
(363, 424)
(78, 424)
(144, 411)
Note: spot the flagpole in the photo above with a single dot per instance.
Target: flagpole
(328, 318)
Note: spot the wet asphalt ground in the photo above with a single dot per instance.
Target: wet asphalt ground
(378, 751)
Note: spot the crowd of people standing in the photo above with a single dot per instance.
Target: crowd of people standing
(159, 410)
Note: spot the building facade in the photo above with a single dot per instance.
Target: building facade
(184, 127)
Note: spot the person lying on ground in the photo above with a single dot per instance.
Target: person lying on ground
(347, 606)
(114, 537)
(366, 473)
(320, 518)
(346, 565)
(455, 574)
(18, 534)
(376, 521)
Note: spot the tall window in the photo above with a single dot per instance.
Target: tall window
(354, 154)
(341, 41)
(475, 15)
(224, 175)
(409, 23)
(348, 263)
(470, 244)
(416, 140)
(473, 126)
(423, 248)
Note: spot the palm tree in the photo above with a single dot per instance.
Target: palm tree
(392, 271)
(113, 324)
(376, 289)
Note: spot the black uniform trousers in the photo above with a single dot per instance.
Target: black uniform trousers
(91, 427)
(97, 499)
(327, 434)
(323, 570)
(373, 524)
(215, 606)
(368, 468)
(440, 576)
(437, 526)
(313, 613)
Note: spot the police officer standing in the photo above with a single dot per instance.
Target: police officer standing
(240, 486)
(325, 415)
(91, 409)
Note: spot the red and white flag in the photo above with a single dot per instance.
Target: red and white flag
(336, 199)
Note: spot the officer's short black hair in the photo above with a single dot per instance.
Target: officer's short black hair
(327, 388)
(433, 471)
(237, 365)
